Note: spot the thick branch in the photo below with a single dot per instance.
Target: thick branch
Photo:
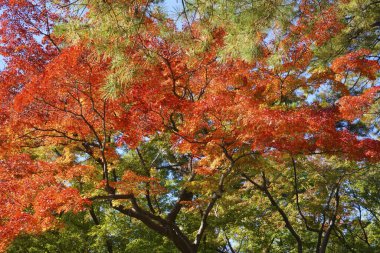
(216, 195)
(285, 218)
(333, 220)
(297, 199)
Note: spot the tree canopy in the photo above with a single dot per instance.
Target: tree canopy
(220, 126)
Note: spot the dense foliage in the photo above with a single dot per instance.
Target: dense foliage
(225, 126)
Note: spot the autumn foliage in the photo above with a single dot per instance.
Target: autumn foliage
(232, 129)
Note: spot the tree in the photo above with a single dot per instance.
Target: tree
(210, 136)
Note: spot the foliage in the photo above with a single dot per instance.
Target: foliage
(240, 126)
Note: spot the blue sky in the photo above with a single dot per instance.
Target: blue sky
(172, 5)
